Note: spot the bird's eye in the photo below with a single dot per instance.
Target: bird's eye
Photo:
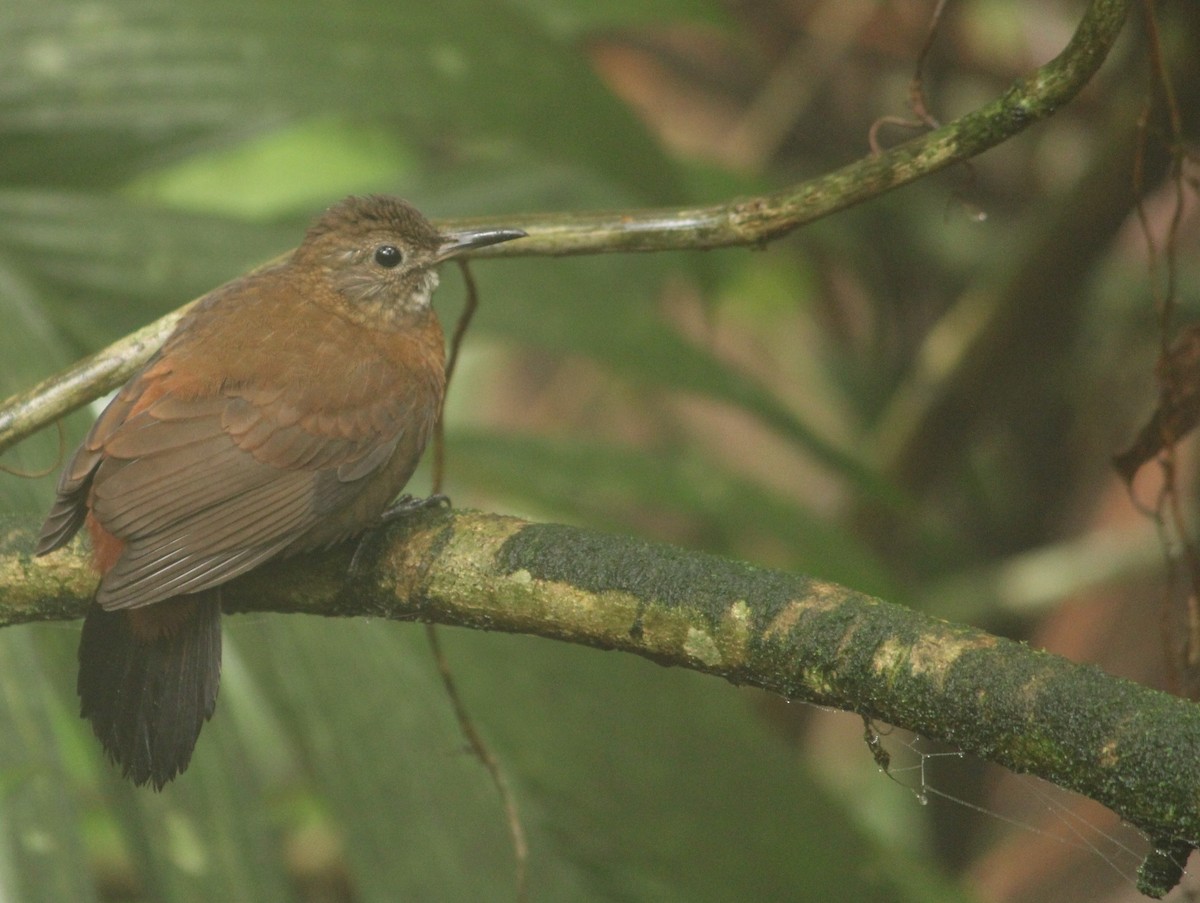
(388, 256)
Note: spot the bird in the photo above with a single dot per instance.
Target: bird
(283, 414)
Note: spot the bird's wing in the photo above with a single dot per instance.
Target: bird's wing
(202, 488)
(71, 506)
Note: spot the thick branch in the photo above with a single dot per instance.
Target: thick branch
(1132, 748)
(741, 222)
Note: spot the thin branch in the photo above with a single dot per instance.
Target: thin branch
(747, 222)
(1129, 747)
(470, 305)
(483, 752)
(478, 746)
(918, 99)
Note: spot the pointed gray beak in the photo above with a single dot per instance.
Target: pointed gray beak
(457, 242)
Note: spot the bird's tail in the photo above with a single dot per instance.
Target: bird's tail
(148, 681)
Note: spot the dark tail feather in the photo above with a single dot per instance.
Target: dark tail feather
(148, 698)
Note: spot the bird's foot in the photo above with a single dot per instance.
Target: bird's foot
(402, 507)
(407, 504)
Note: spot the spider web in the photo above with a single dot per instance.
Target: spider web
(1042, 842)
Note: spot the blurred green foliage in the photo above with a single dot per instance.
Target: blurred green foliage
(155, 150)
(732, 401)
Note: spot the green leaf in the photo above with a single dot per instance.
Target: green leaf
(632, 781)
(41, 845)
(638, 782)
(122, 263)
(97, 93)
(298, 169)
(210, 834)
(696, 501)
(30, 347)
(572, 17)
(379, 749)
(607, 310)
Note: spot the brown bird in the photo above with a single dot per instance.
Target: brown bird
(284, 413)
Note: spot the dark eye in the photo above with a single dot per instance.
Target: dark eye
(388, 256)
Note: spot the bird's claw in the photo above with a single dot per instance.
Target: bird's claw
(403, 506)
(407, 504)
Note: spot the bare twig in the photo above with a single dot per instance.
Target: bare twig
(466, 724)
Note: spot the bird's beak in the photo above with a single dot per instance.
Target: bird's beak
(457, 242)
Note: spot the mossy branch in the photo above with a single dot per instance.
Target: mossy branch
(744, 222)
(1129, 747)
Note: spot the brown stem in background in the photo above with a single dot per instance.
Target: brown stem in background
(475, 741)
(470, 304)
(51, 468)
(480, 749)
(918, 101)
(1176, 380)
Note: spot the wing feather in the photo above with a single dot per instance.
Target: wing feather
(199, 501)
(210, 546)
